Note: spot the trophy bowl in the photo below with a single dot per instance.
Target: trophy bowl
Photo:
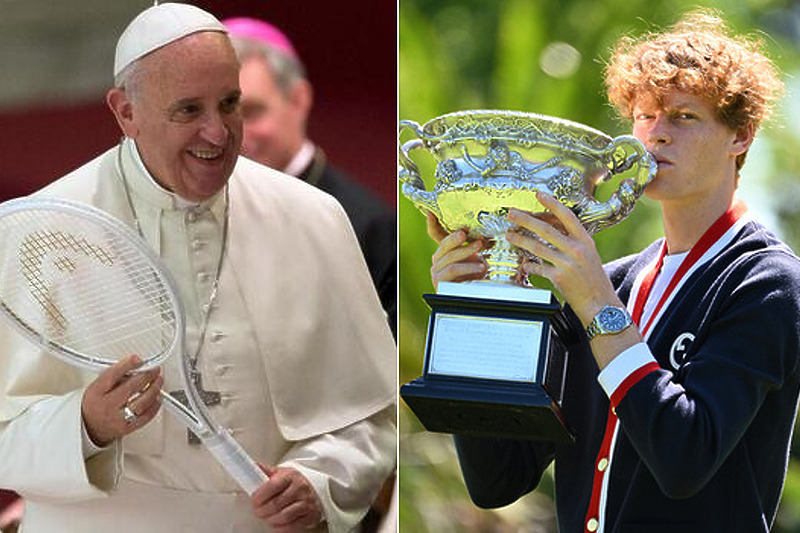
(489, 161)
(496, 353)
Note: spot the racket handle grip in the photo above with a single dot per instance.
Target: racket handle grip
(235, 460)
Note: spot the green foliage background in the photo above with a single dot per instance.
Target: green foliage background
(472, 54)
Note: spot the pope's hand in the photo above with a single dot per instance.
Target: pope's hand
(287, 501)
(119, 402)
(455, 259)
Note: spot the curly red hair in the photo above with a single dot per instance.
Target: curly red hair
(698, 55)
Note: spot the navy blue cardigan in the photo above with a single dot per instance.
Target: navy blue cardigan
(703, 447)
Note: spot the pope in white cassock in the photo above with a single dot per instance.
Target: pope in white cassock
(283, 325)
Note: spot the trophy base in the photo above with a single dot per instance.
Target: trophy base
(493, 367)
(484, 409)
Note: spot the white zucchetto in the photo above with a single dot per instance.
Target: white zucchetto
(158, 26)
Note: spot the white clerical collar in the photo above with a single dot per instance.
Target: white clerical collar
(176, 201)
(301, 159)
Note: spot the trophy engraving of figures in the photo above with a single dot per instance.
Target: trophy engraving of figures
(495, 359)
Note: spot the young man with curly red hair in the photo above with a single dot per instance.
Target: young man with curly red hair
(683, 409)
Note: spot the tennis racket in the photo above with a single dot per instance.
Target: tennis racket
(86, 288)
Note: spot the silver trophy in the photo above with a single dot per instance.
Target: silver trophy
(495, 358)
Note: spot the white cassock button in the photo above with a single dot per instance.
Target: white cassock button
(592, 524)
(602, 464)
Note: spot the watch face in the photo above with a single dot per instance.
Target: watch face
(613, 319)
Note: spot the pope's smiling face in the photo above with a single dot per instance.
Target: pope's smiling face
(184, 114)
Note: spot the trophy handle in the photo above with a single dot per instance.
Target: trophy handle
(625, 153)
(408, 172)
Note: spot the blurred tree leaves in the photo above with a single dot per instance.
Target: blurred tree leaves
(546, 56)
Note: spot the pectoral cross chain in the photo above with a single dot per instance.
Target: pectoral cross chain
(208, 397)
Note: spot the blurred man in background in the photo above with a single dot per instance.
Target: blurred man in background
(276, 101)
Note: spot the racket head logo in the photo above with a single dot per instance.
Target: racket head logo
(45, 255)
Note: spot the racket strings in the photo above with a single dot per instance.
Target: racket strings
(81, 286)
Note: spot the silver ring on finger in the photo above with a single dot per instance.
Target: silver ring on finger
(129, 415)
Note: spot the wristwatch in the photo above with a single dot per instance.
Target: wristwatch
(609, 320)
